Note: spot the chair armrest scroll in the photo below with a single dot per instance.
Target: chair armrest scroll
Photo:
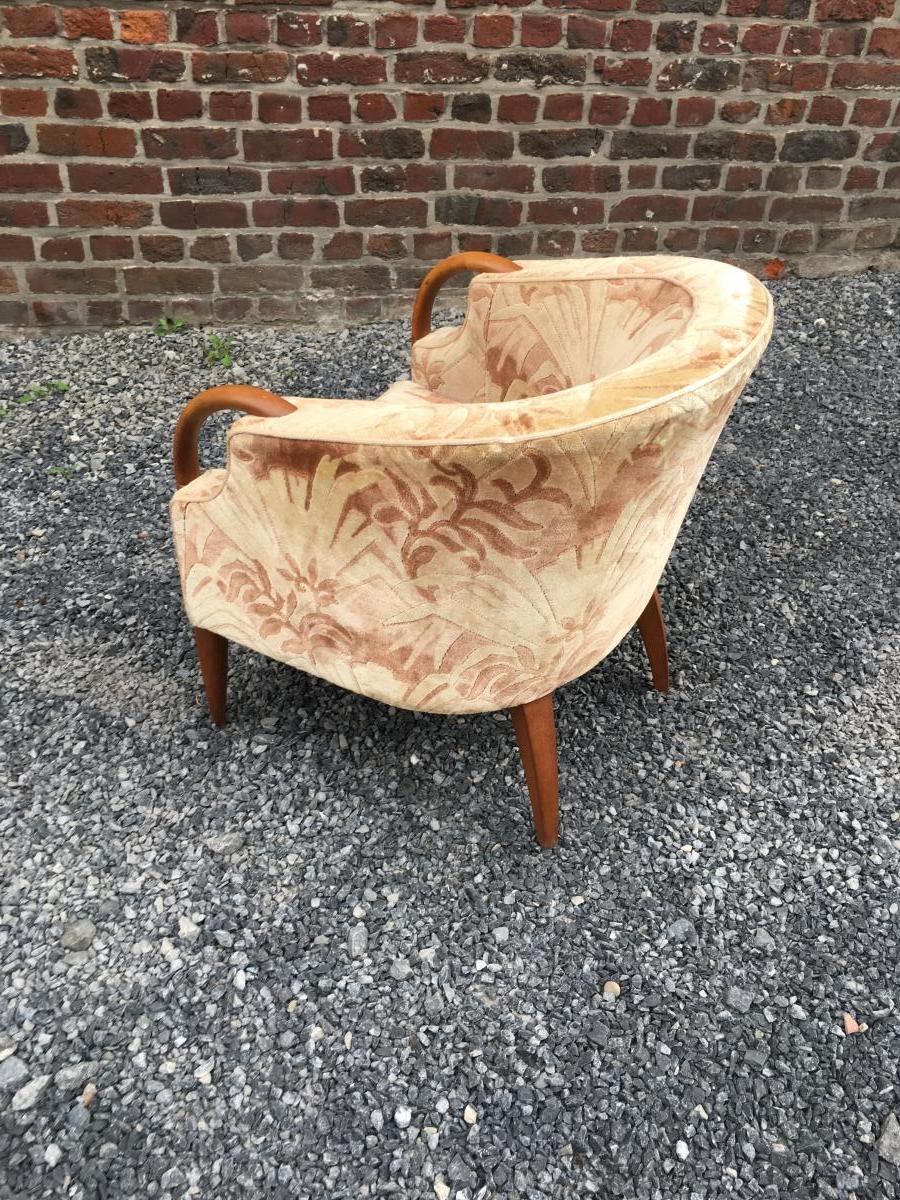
(473, 260)
(255, 401)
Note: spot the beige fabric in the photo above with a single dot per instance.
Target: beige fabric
(459, 556)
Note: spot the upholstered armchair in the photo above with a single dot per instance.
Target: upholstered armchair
(478, 536)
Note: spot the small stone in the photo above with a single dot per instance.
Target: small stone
(441, 1189)
(225, 843)
(376, 1116)
(12, 1072)
(187, 930)
(402, 1117)
(739, 999)
(470, 1116)
(358, 940)
(611, 990)
(52, 1155)
(888, 1144)
(400, 969)
(27, 1097)
(763, 940)
(681, 1149)
(76, 1076)
(78, 935)
(501, 935)
(442, 1105)
(851, 1025)
(240, 979)
(79, 1118)
(682, 930)
(89, 1095)
(173, 1180)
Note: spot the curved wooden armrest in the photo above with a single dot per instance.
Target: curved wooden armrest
(256, 401)
(473, 260)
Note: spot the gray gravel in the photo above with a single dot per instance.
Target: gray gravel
(327, 957)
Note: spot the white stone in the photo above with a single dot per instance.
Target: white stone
(470, 1116)
(402, 1116)
(27, 1097)
(681, 1150)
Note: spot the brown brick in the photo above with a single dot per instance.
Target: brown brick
(231, 106)
(71, 280)
(540, 29)
(396, 31)
(872, 113)
(404, 177)
(77, 102)
(13, 139)
(435, 67)
(585, 33)
(111, 64)
(184, 142)
(827, 110)
(178, 105)
(213, 181)
(87, 22)
(443, 28)
(581, 178)
(650, 208)
(37, 62)
(250, 246)
(564, 106)
(630, 144)
(650, 110)
(560, 143)
(493, 30)
(95, 141)
(23, 102)
(676, 37)
(374, 107)
(96, 214)
(315, 212)
(470, 143)
(24, 214)
(631, 35)
(239, 66)
(343, 245)
(296, 145)
(718, 39)
(197, 28)
(167, 281)
(329, 107)
(196, 214)
(130, 106)
(579, 211)
(853, 10)
(885, 41)
(107, 247)
(295, 246)
(35, 20)
(391, 212)
(277, 108)
(312, 181)
(30, 177)
(159, 247)
(313, 70)
(495, 177)
(788, 111)
(518, 109)
(694, 110)
(247, 27)
(16, 247)
(298, 29)
(134, 179)
(761, 39)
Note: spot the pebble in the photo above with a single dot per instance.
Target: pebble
(682, 930)
(52, 1155)
(400, 969)
(739, 999)
(28, 1095)
(67, 1079)
(888, 1144)
(402, 1117)
(470, 1116)
(611, 990)
(441, 1189)
(12, 1072)
(187, 930)
(79, 934)
(358, 940)
(501, 935)
(681, 1149)
(225, 843)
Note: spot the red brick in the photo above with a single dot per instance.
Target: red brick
(540, 29)
(13, 139)
(681, 241)
(406, 177)
(470, 143)
(312, 181)
(144, 26)
(608, 110)
(316, 212)
(386, 245)
(35, 20)
(782, 76)
(883, 147)
(853, 10)
(316, 69)
(641, 240)
(167, 281)
(885, 41)
(845, 42)
(92, 140)
(806, 210)
(739, 112)
(77, 102)
(641, 176)
(864, 179)
(130, 106)
(196, 214)
(298, 29)
(580, 211)
(567, 106)
(396, 31)
(432, 246)
(556, 243)
(15, 247)
(36, 62)
(329, 107)
(676, 37)
(23, 102)
(443, 28)
(743, 179)
(212, 248)
(788, 111)
(495, 177)
(178, 105)
(581, 178)
(97, 214)
(866, 75)
(718, 39)
(133, 180)
(624, 72)
(107, 247)
(231, 106)
(761, 39)
(23, 214)
(827, 110)
(213, 181)
(493, 30)
(278, 108)
(436, 67)
(373, 107)
(71, 280)
(518, 109)
(585, 33)
(201, 142)
(392, 213)
(694, 110)
(650, 208)
(295, 145)
(30, 177)
(197, 28)
(649, 110)
(631, 35)
(295, 246)
(240, 66)
(107, 64)
(342, 246)
(342, 29)
(803, 39)
(247, 27)
(87, 22)
(873, 113)
(157, 247)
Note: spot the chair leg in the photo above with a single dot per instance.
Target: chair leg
(653, 633)
(536, 735)
(212, 650)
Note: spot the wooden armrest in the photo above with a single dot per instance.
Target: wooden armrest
(255, 401)
(473, 260)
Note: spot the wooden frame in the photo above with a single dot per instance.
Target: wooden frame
(533, 722)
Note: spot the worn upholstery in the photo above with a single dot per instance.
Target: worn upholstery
(489, 531)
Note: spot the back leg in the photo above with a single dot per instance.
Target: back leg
(212, 650)
(653, 633)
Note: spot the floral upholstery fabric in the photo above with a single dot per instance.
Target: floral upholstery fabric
(462, 556)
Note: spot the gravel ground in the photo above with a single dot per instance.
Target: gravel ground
(319, 953)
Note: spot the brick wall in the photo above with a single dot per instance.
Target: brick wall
(298, 161)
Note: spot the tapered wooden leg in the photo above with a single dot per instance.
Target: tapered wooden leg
(536, 735)
(653, 633)
(212, 650)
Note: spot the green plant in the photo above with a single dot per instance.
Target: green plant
(38, 391)
(167, 325)
(66, 472)
(218, 352)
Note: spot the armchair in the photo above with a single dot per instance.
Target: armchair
(480, 536)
